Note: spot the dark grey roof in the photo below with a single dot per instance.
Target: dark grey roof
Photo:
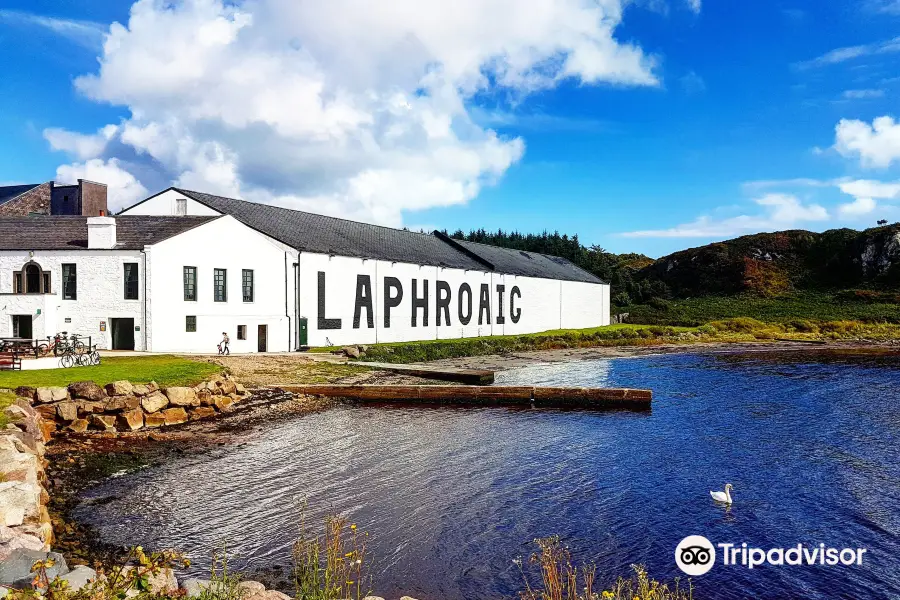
(8, 192)
(310, 232)
(45, 232)
(528, 264)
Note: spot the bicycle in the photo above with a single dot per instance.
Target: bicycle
(69, 358)
(89, 358)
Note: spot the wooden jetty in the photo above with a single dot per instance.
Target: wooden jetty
(467, 376)
(486, 395)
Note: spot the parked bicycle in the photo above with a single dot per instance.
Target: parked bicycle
(60, 344)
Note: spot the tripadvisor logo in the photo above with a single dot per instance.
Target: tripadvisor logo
(696, 555)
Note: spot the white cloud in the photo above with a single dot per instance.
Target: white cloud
(867, 188)
(695, 5)
(85, 33)
(352, 108)
(862, 94)
(884, 6)
(82, 146)
(840, 55)
(122, 188)
(859, 207)
(780, 211)
(876, 145)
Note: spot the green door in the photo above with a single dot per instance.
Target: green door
(304, 333)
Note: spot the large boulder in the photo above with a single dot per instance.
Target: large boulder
(350, 351)
(12, 539)
(122, 403)
(17, 461)
(86, 390)
(25, 391)
(202, 412)
(131, 420)
(90, 407)
(227, 386)
(249, 588)
(78, 425)
(19, 500)
(16, 572)
(223, 403)
(79, 577)
(205, 397)
(104, 422)
(194, 587)
(156, 419)
(163, 582)
(140, 389)
(174, 416)
(44, 395)
(154, 402)
(182, 396)
(67, 411)
(120, 388)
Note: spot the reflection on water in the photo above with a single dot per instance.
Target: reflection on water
(451, 495)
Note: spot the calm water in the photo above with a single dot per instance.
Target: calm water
(450, 496)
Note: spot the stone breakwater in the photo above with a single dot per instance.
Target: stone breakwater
(124, 406)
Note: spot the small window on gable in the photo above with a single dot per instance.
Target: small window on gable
(181, 207)
(190, 323)
(242, 332)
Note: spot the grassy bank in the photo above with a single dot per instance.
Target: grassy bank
(164, 370)
(6, 399)
(741, 329)
(817, 307)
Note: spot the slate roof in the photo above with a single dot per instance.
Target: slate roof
(311, 232)
(8, 192)
(45, 232)
(529, 264)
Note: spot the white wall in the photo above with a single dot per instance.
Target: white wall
(541, 304)
(164, 204)
(100, 294)
(227, 244)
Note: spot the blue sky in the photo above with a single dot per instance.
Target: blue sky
(664, 124)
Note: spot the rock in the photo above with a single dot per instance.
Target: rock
(194, 587)
(86, 390)
(153, 387)
(205, 397)
(122, 403)
(104, 422)
(120, 388)
(47, 411)
(13, 539)
(363, 349)
(267, 595)
(350, 351)
(131, 420)
(79, 577)
(250, 588)
(182, 396)
(227, 386)
(163, 582)
(154, 402)
(223, 403)
(78, 425)
(202, 412)
(17, 461)
(48, 428)
(43, 395)
(67, 411)
(25, 391)
(174, 416)
(373, 598)
(90, 407)
(240, 389)
(156, 419)
(407, 598)
(16, 414)
(140, 390)
(15, 571)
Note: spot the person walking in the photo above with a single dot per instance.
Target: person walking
(223, 345)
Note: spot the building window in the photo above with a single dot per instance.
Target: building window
(181, 207)
(190, 324)
(242, 332)
(131, 281)
(247, 277)
(70, 282)
(190, 284)
(31, 280)
(220, 280)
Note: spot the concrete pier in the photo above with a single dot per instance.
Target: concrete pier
(484, 395)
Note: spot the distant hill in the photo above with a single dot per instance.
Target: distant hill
(773, 264)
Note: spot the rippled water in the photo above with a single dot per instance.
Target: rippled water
(450, 495)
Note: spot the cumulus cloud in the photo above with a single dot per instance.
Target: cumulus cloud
(82, 146)
(779, 211)
(123, 189)
(859, 207)
(876, 145)
(353, 108)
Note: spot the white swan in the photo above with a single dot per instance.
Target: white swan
(723, 496)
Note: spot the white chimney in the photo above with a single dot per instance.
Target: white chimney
(101, 233)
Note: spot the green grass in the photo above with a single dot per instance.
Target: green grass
(6, 399)
(812, 306)
(163, 369)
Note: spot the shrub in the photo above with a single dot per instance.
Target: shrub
(331, 566)
(738, 325)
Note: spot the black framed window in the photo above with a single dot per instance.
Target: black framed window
(242, 332)
(190, 323)
(46, 282)
(220, 285)
(70, 281)
(190, 284)
(247, 279)
(131, 281)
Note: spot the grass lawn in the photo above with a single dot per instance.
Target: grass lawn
(6, 399)
(163, 369)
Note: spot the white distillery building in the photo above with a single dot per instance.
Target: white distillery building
(174, 271)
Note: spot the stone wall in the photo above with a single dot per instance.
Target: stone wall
(35, 200)
(124, 406)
